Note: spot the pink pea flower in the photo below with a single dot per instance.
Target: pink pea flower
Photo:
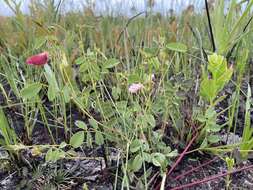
(135, 87)
(39, 59)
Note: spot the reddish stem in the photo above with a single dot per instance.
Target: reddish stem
(179, 159)
(212, 178)
(194, 169)
(181, 155)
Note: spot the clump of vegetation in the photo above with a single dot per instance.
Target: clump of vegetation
(137, 95)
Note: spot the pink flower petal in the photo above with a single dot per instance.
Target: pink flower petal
(135, 87)
(39, 59)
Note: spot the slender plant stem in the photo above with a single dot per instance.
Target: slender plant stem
(211, 178)
(210, 26)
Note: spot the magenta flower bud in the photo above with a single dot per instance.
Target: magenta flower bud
(39, 59)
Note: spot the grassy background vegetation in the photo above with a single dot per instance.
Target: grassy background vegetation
(93, 61)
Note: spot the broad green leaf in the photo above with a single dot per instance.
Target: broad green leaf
(66, 93)
(149, 52)
(80, 60)
(158, 159)
(213, 138)
(208, 89)
(135, 145)
(201, 118)
(51, 93)
(137, 163)
(166, 149)
(93, 123)
(230, 162)
(210, 113)
(179, 47)
(223, 79)
(214, 128)
(116, 92)
(99, 139)
(53, 88)
(84, 67)
(77, 139)
(81, 125)
(54, 155)
(30, 90)
(220, 75)
(49, 155)
(63, 145)
(146, 157)
(172, 154)
(110, 63)
(94, 72)
(217, 65)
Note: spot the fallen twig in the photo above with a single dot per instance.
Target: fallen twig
(196, 168)
(212, 178)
